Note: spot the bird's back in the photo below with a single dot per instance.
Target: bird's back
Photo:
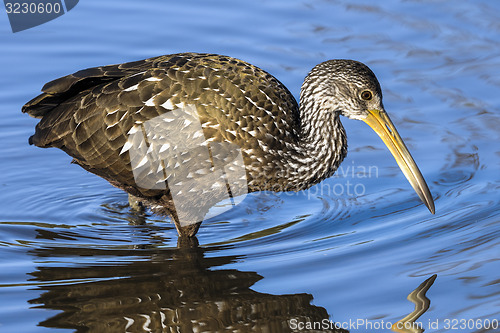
(92, 113)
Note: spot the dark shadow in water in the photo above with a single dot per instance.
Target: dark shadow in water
(162, 290)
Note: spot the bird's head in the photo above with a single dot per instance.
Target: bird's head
(350, 88)
(347, 87)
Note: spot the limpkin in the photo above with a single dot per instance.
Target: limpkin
(132, 124)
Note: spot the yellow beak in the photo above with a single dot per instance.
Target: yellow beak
(380, 122)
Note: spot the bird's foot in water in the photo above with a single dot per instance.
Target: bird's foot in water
(187, 243)
(137, 210)
(136, 204)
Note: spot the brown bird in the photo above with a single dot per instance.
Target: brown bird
(181, 132)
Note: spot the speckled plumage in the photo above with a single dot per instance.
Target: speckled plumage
(90, 113)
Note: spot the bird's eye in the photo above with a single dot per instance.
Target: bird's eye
(366, 95)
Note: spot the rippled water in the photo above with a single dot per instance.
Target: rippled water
(74, 257)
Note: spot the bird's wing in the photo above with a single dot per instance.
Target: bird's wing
(89, 114)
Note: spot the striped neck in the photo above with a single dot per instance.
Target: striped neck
(322, 143)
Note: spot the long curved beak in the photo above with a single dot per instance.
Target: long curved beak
(380, 122)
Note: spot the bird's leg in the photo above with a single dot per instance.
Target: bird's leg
(186, 230)
(136, 204)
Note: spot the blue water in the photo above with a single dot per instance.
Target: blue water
(74, 257)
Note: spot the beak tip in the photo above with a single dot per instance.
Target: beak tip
(430, 207)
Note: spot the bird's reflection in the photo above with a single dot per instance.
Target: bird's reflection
(162, 290)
